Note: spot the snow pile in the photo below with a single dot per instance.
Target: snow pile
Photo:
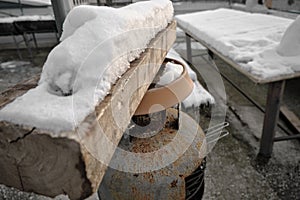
(97, 45)
(248, 39)
(290, 42)
(199, 95)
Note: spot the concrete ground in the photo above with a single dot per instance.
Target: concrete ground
(233, 170)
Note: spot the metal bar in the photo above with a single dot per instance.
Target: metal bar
(211, 54)
(188, 48)
(34, 40)
(60, 10)
(27, 43)
(290, 116)
(275, 93)
(21, 7)
(17, 45)
(280, 124)
(288, 137)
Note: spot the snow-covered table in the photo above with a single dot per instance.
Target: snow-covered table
(27, 25)
(248, 43)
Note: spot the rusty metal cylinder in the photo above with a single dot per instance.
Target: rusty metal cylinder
(178, 151)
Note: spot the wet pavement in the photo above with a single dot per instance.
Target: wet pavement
(233, 169)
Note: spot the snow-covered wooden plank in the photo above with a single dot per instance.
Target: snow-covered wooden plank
(50, 163)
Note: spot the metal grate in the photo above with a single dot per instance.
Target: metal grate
(194, 184)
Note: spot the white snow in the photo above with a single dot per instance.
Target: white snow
(290, 43)
(199, 95)
(32, 2)
(171, 72)
(13, 64)
(97, 46)
(26, 18)
(249, 39)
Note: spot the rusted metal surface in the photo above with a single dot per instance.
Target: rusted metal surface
(167, 182)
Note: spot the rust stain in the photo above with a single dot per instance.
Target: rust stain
(134, 190)
(149, 177)
(174, 183)
(146, 145)
(140, 195)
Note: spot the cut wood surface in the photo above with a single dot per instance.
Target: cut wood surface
(69, 163)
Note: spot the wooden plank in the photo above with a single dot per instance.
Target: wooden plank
(67, 163)
(291, 117)
(275, 93)
(232, 63)
(10, 94)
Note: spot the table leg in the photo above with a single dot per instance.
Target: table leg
(188, 48)
(211, 54)
(275, 93)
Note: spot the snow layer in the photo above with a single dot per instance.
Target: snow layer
(248, 39)
(13, 64)
(199, 95)
(32, 2)
(97, 46)
(26, 18)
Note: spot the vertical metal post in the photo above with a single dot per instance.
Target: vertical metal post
(21, 7)
(61, 9)
(188, 48)
(18, 48)
(275, 93)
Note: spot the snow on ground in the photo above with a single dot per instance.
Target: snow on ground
(13, 64)
(26, 18)
(97, 46)
(199, 95)
(32, 2)
(249, 39)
